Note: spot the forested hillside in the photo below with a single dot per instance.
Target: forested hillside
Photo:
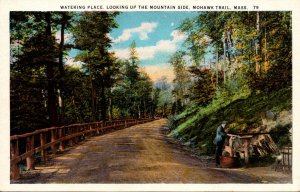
(236, 67)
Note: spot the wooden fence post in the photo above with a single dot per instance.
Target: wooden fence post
(103, 126)
(53, 147)
(246, 152)
(291, 158)
(74, 130)
(91, 130)
(77, 129)
(81, 136)
(60, 135)
(14, 152)
(83, 128)
(29, 147)
(97, 127)
(43, 150)
(70, 133)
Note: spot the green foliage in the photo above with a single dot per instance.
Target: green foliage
(203, 88)
(133, 95)
(33, 71)
(251, 72)
(76, 106)
(259, 42)
(27, 103)
(104, 86)
(164, 96)
(281, 135)
(181, 83)
(90, 36)
(164, 102)
(243, 113)
(176, 120)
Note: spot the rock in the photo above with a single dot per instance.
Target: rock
(270, 115)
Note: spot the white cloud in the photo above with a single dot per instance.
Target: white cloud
(157, 71)
(172, 24)
(69, 61)
(178, 35)
(148, 52)
(122, 53)
(143, 30)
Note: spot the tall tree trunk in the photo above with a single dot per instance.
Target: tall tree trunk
(61, 65)
(93, 98)
(151, 105)
(144, 102)
(233, 56)
(224, 66)
(227, 44)
(62, 42)
(176, 103)
(103, 104)
(139, 111)
(266, 52)
(93, 95)
(257, 44)
(110, 107)
(250, 41)
(52, 105)
(217, 63)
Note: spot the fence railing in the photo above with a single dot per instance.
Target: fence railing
(286, 161)
(49, 141)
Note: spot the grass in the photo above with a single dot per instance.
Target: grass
(242, 111)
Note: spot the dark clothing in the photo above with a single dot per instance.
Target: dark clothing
(219, 150)
(219, 141)
(220, 136)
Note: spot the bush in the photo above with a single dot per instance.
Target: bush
(280, 135)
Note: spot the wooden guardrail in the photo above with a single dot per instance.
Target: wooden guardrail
(287, 159)
(50, 140)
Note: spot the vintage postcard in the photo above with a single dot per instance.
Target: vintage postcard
(149, 96)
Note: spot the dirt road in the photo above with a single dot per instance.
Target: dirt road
(138, 154)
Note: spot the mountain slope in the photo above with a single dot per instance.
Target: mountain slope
(196, 126)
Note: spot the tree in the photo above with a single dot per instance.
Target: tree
(90, 36)
(41, 83)
(165, 99)
(203, 88)
(244, 41)
(65, 22)
(35, 60)
(134, 88)
(182, 81)
(144, 91)
(76, 102)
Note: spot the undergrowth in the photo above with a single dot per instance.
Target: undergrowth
(197, 125)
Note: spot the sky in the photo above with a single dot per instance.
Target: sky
(156, 37)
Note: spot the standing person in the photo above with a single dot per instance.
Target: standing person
(219, 141)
